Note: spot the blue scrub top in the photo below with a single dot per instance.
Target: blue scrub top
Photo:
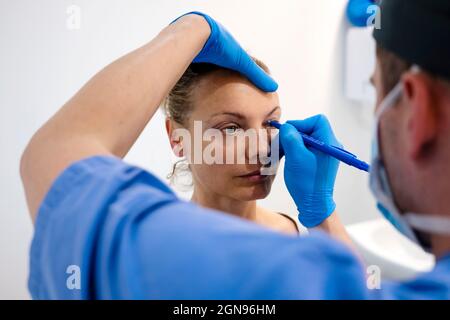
(109, 230)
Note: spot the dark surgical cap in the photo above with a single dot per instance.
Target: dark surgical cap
(418, 31)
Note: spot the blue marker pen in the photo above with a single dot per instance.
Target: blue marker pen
(335, 152)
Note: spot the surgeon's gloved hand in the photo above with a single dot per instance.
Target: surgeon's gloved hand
(223, 50)
(310, 174)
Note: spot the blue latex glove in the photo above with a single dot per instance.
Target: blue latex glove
(357, 12)
(223, 50)
(310, 174)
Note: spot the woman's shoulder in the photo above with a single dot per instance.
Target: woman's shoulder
(279, 221)
(290, 220)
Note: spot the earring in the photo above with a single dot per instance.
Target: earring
(178, 149)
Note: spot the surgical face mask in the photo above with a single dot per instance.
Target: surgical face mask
(408, 223)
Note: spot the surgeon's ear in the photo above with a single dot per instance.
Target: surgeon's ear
(175, 142)
(422, 123)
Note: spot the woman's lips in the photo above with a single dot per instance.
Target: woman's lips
(254, 176)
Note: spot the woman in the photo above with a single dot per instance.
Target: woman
(218, 99)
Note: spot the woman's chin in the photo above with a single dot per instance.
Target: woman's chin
(252, 193)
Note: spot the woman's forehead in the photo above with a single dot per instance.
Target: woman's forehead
(217, 94)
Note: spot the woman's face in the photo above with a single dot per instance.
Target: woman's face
(229, 103)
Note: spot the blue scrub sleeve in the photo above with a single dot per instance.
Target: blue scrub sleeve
(433, 285)
(124, 234)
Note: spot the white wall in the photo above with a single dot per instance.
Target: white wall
(43, 63)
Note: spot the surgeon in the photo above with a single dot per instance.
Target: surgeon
(126, 235)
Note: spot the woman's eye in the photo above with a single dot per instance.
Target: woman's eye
(231, 130)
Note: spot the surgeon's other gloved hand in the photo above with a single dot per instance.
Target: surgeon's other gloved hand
(310, 174)
(223, 50)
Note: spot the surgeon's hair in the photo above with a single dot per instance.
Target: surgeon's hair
(392, 68)
(178, 107)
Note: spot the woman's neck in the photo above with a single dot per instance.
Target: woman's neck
(243, 209)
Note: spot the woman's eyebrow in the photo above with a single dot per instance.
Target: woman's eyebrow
(240, 115)
(233, 114)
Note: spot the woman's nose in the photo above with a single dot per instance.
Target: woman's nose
(259, 150)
